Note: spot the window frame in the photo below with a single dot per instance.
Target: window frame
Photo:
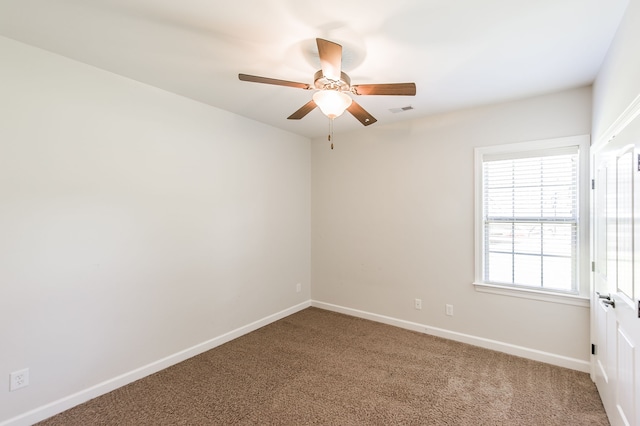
(581, 298)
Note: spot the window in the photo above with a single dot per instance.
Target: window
(529, 214)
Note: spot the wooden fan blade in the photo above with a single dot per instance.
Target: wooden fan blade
(306, 109)
(266, 80)
(361, 114)
(330, 58)
(394, 89)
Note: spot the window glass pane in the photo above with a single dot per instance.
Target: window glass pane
(558, 202)
(557, 273)
(528, 238)
(499, 269)
(499, 237)
(498, 201)
(527, 270)
(526, 201)
(559, 238)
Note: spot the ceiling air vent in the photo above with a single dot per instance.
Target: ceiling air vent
(403, 109)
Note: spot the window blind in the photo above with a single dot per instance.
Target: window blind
(530, 216)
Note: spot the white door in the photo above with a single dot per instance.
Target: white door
(616, 308)
(605, 268)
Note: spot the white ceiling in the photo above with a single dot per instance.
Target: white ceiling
(460, 53)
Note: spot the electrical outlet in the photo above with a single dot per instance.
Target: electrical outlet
(449, 310)
(19, 379)
(418, 303)
(298, 288)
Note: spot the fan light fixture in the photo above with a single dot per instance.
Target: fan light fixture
(332, 103)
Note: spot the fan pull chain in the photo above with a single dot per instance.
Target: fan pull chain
(330, 137)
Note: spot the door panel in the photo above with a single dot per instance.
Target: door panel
(624, 216)
(626, 325)
(604, 234)
(626, 378)
(605, 246)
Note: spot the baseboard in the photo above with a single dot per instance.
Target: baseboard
(533, 354)
(56, 407)
(70, 401)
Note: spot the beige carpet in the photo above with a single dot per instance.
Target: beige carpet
(320, 367)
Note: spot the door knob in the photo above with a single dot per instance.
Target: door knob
(603, 296)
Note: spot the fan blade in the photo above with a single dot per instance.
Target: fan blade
(361, 114)
(306, 109)
(330, 58)
(266, 80)
(394, 89)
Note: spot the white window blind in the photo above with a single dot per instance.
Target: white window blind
(530, 220)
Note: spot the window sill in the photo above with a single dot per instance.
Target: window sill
(566, 299)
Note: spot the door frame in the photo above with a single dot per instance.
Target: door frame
(628, 115)
(602, 144)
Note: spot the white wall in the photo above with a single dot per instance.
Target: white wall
(617, 84)
(134, 224)
(392, 220)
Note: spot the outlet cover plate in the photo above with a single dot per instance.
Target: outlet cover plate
(19, 379)
(449, 310)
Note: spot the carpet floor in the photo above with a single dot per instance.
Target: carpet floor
(321, 367)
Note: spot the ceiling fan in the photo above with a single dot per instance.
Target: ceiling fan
(333, 87)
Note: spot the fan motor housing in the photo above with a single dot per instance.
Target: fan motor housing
(323, 83)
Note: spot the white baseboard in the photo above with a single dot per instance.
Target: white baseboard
(70, 401)
(56, 407)
(533, 354)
